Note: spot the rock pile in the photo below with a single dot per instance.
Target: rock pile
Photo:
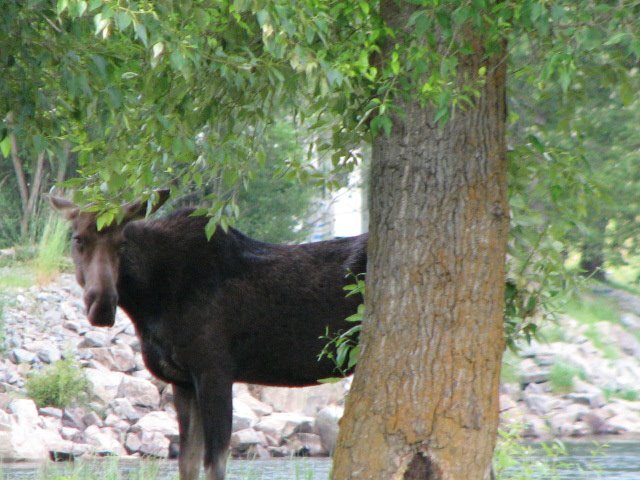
(130, 412)
(595, 404)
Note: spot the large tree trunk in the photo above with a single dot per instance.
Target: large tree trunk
(424, 400)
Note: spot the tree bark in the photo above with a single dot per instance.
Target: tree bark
(424, 399)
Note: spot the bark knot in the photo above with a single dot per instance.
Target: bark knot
(422, 467)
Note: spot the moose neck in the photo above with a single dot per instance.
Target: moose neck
(166, 261)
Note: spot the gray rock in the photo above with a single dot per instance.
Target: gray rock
(123, 409)
(72, 417)
(25, 412)
(104, 441)
(306, 445)
(157, 422)
(51, 412)
(327, 427)
(47, 351)
(132, 443)
(104, 384)
(154, 444)
(537, 376)
(20, 355)
(95, 338)
(123, 358)
(630, 320)
(139, 392)
(92, 418)
(281, 425)
(243, 416)
(541, 404)
(592, 399)
(241, 440)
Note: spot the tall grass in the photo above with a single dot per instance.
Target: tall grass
(51, 248)
(515, 460)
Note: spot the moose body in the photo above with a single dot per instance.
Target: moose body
(213, 312)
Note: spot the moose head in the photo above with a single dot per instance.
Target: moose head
(96, 254)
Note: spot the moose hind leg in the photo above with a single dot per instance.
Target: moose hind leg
(215, 399)
(191, 432)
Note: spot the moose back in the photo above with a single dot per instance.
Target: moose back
(212, 312)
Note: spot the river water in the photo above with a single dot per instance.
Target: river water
(618, 461)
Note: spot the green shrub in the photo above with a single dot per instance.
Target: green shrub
(510, 371)
(562, 375)
(59, 385)
(589, 311)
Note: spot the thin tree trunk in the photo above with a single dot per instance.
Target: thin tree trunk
(21, 179)
(424, 399)
(592, 252)
(63, 163)
(34, 194)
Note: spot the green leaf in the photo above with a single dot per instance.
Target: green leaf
(210, 228)
(141, 33)
(5, 146)
(617, 38)
(329, 380)
(61, 6)
(123, 20)
(104, 220)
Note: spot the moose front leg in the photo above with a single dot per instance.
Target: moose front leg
(191, 432)
(214, 392)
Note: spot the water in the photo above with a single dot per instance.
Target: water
(618, 461)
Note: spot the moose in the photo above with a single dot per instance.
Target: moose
(209, 313)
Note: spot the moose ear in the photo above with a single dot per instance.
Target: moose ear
(66, 207)
(138, 209)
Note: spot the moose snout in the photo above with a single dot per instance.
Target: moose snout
(100, 307)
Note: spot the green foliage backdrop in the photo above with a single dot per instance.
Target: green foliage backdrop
(136, 95)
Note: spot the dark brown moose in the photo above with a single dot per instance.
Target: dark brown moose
(210, 313)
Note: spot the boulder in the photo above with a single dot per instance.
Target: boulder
(104, 441)
(95, 338)
(241, 440)
(104, 384)
(243, 416)
(327, 426)
(307, 400)
(73, 417)
(541, 404)
(159, 421)
(46, 351)
(122, 408)
(21, 355)
(281, 424)
(139, 392)
(132, 442)
(306, 445)
(123, 358)
(20, 438)
(154, 444)
(241, 392)
(25, 412)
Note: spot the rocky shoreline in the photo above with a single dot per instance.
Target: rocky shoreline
(130, 413)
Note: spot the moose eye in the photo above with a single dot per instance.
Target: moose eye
(77, 241)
